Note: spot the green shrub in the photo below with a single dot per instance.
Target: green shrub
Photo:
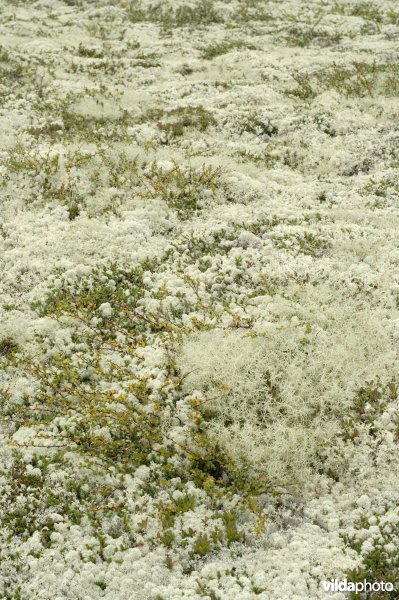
(180, 187)
(358, 79)
(366, 10)
(170, 17)
(202, 545)
(8, 346)
(220, 48)
(175, 122)
(257, 125)
(379, 563)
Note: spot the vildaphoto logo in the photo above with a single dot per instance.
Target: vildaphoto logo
(343, 585)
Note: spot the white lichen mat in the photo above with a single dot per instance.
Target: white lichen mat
(199, 298)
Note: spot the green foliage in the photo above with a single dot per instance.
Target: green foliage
(63, 120)
(202, 545)
(274, 153)
(176, 121)
(181, 188)
(106, 425)
(384, 189)
(56, 171)
(378, 564)
(359, 79)
(120, 285)
(304, 36)
(304, 89)
(4, 54)
(304, 243)
(17, 76)
(392, 16)
(369, 403)
(257, 125)
(170, 17)
(232, 532)
(8, 347)
(185, 503)
(220, 48)
(87, 52)
(89, 403)
(57, 174)
(365, 10)
(11, 72)
(32, 503)
(362, 79)
(185, 189)
(249, 11)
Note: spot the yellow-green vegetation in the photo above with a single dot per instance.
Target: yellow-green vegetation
(174, 122)
(183, 189)
(381, 563)
(369, 404)
(307, 36)
(90, 404)
(7, 346)
(361, 79)
(57, 175)
(55, 172)
(220, 48)
(306, 243)
(365, 10)
(257, 125)
(202, 13)
(199, 298)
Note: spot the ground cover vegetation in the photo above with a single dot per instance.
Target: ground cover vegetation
(199, 298)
